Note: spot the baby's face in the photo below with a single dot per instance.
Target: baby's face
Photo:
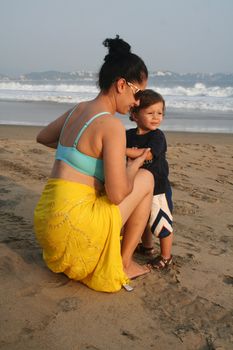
(149, 118)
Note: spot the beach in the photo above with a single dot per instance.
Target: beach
(188, 306)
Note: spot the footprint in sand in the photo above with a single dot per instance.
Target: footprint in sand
(216, 251)
(227, 242)
(185, 208)
(188, 317)
(228, 280)
(4, 150)
(4, 190)
(204, 195)
(7, 266)
(68, 304)
(37, 151)
(180, 186)
(189, 246)
(129, 335)
(224, 179)
(189, 258)
(16, 232)
(210, 148)
(8, 203)
(22, 170)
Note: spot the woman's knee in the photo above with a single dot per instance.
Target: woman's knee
(145, 180)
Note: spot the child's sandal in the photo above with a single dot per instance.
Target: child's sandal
(160, 263)
(149, 252)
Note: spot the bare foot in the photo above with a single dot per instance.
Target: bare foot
(135, 270)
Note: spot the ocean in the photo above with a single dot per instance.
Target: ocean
(194, 102)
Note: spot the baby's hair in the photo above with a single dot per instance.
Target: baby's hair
(147, 97)
(120, 62)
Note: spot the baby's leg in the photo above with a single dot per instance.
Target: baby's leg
(166, 246)
(146, 247)
(165, 258)
(161, 223)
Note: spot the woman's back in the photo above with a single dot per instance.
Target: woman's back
(79, 154)
(80, 161)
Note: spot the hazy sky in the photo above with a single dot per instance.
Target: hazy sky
(67, 35)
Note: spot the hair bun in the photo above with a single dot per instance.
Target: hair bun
(116, 47)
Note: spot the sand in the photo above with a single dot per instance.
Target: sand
(186, 307)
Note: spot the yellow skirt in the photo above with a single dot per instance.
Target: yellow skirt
(79, 231)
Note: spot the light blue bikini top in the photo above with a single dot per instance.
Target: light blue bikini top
(82, 162)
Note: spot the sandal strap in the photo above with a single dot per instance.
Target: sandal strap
(149, 251)
(160, 262)
(167, 261)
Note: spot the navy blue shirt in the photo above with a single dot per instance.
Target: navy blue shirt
(158, 166)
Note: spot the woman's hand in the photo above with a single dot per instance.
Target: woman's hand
(135, 152)
(138, 162)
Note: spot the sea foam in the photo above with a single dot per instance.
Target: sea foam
(191, 91)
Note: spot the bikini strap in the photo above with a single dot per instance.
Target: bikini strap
(86, 125)
(66, 121)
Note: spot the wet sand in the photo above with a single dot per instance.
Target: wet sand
(186, 307)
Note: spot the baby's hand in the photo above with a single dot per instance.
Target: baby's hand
(140, 159)
(149, 156)
(134, 152)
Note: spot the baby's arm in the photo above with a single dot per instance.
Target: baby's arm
(137, 152)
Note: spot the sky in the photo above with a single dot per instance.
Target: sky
(177, 35)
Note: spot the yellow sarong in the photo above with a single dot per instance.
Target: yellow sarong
(79, 231)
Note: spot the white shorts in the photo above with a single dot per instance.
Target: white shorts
(161, 219)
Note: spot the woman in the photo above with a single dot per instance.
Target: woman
(91, 193)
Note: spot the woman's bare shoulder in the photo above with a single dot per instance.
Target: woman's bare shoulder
(111, 122)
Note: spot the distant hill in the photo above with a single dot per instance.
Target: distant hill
(4, 77)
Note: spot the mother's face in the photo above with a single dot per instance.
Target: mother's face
(128, 94)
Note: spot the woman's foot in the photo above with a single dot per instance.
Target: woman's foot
(135, 270)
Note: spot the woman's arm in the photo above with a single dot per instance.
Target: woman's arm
(119, 178)
(137, 152)
(134, 152)
(49, 135)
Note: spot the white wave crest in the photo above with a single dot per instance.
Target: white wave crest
(200, 104)
(17, 86)
(198, 89)
(198, 96)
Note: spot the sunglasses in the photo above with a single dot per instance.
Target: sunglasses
(136, 91)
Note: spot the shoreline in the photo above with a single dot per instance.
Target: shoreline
(20, 113)
(28, 132)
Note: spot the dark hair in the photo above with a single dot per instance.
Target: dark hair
(120, 63)
(147, 98)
